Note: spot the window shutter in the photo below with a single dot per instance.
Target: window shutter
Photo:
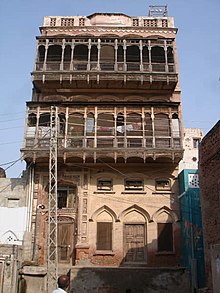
(104, 236)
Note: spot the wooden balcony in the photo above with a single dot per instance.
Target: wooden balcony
(111, 149)
(105, 75)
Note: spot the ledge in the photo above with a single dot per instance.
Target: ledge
(165, 253)
(134, 192)
(103, 252)
(104, 192)
(164, 192)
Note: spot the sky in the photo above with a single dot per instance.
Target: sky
(198, 45)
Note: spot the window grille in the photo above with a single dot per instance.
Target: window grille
(67, 21)
(162, 184)
(53, 22)
(150, 22)
(135, 22)
(81, 21)
(193, 180)
(104, 185)
(164, 23)
(136, 185)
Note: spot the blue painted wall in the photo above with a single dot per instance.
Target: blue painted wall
(192, 250)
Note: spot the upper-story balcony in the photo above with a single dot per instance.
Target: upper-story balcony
(110, 62)
(118, 133)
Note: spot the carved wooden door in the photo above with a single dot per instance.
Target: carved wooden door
(134, 243)
(65, 242)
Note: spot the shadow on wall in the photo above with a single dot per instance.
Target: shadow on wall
(130, 277)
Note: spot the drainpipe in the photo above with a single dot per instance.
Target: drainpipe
(40, 206)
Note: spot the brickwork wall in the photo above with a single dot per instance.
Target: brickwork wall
(210, 193)
(128, 280)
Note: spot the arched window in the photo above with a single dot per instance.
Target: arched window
(104, 231)
(175, 125)
(148, 125)
(157, 55)
(170, 57)
(107, 54)
(44, 119)
(67, 53)
(120, 124)
(145, 54)
(94, 53)
(148, 130)
(54, 53)
(105, 124)
(62, 123)
(133, 54)
(41, 53)
(162, 125)
(90, 123)
(133, 58)
(32, 119)
(134, 125)
(162, 131)
(81, 53)
(76, 124)
(120, 54)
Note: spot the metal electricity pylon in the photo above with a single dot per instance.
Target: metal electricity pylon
(52, 250)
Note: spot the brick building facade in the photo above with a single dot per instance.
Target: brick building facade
(110, 84)
(210, 202)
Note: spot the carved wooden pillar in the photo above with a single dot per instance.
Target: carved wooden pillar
(89, 54)
(62, 56)
(125, 47)
(153, 128)
(45, 56)
(141, 55)
(72, 54)
(149, 52)
(116, 55)
(99, 48)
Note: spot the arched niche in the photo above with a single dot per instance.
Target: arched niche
(164, 215)
(9, 237)
(103, 210)
(132, 212)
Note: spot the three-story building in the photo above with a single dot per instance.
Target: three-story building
(111, 81)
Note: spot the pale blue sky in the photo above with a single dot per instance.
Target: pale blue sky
(198, 44)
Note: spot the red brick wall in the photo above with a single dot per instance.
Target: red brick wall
(210, 192)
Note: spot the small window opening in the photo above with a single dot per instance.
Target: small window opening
(196, 142)
(135, 22)
(66, 197)
(53, 21)
(104, 185)
(32, 120)
(134, 185)
(44, 119)
(162, 184)
(81, 21)
(120, 124)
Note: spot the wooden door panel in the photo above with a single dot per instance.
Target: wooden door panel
(65, 241)
(134, 242)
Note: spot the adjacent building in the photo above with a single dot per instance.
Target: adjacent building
(210, 192)
(106, 87)
(13, 224)
(192, 250)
